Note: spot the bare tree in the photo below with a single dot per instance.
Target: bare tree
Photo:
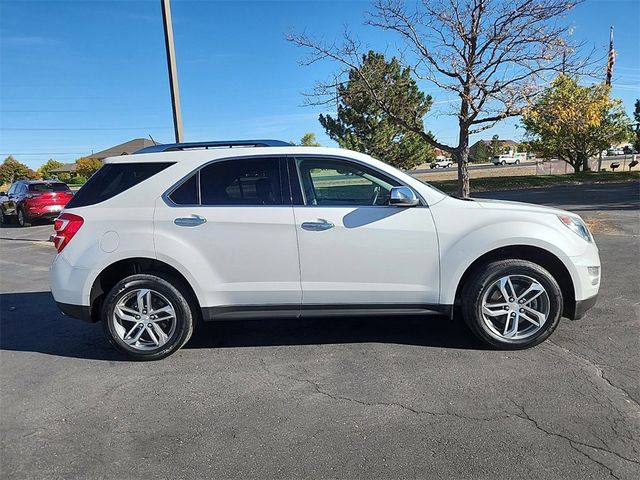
(492, 55)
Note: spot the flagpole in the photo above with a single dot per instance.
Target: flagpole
(611, 57)
(610, 60)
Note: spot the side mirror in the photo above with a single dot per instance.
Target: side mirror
(403, 197)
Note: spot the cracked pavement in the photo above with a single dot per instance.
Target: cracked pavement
(333, 398)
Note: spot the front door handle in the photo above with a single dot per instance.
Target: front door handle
(192, 221)
(318, 226)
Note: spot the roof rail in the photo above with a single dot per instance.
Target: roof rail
(169, 147)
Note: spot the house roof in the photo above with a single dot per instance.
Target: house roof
(66, 168)
(507, 142)
(125, 148)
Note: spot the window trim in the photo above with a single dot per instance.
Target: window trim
(294, 177)
(283, 174)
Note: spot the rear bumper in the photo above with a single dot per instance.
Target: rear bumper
(43, 211)
(580, 307)
(81, 312)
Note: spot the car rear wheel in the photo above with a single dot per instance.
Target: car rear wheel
(148, 317)
(512, 304)
(503, 162)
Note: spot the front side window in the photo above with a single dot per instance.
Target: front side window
(329, 182)
(241, 182)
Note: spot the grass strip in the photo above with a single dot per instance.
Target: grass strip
(537, 181)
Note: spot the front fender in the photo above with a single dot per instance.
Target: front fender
(458, 255)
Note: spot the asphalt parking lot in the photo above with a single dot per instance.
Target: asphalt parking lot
(339, 398)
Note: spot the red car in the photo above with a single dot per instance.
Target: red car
(29, 200)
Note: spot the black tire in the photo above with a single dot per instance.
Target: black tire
(4, 220)
(173, 290)
(483, 279)
(22, 218)
(503, 162)
(517, 162)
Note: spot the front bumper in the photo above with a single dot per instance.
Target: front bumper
(579, 308)
(76, 311)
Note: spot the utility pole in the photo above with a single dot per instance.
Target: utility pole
(173, 72)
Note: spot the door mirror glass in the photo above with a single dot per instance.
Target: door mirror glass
(403, 197)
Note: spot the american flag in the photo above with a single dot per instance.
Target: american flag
(611, 59)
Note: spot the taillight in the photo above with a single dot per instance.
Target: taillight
(66, 226)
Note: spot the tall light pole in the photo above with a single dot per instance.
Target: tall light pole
(173, 72)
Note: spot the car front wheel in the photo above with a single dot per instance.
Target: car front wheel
(512, 304)
(148, 317)
(23, 220)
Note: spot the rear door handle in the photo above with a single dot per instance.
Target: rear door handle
(192, 221)
(318, 226)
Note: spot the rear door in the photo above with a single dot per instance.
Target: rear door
(230, 225)
(356, 249)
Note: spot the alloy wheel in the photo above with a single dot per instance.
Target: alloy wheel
(144, 319)
(515, 307)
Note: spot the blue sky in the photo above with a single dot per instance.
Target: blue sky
(81, 76)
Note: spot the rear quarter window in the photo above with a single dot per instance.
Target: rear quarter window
(113, 179)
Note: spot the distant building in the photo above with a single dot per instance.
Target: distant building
(125, 148)
(440, 154)
(509, 146)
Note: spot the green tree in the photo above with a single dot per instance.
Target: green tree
(86, 166)
(12, 170)
(363, 126)
(45, 170)
(636, 117)
(309, 140)
(573, 122)
(490, 57)
(495, 147)
(481, 152)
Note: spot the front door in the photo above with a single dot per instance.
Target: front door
(356, 249)
(231, 226)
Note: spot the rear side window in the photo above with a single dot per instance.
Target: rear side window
(187, 193)
(112, 179)
(48, 187)
(242, 182)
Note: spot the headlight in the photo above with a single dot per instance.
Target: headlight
(576, 225)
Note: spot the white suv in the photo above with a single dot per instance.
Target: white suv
(158, 241)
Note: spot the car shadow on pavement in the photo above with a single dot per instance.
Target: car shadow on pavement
(427, 331)
(31, 322)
